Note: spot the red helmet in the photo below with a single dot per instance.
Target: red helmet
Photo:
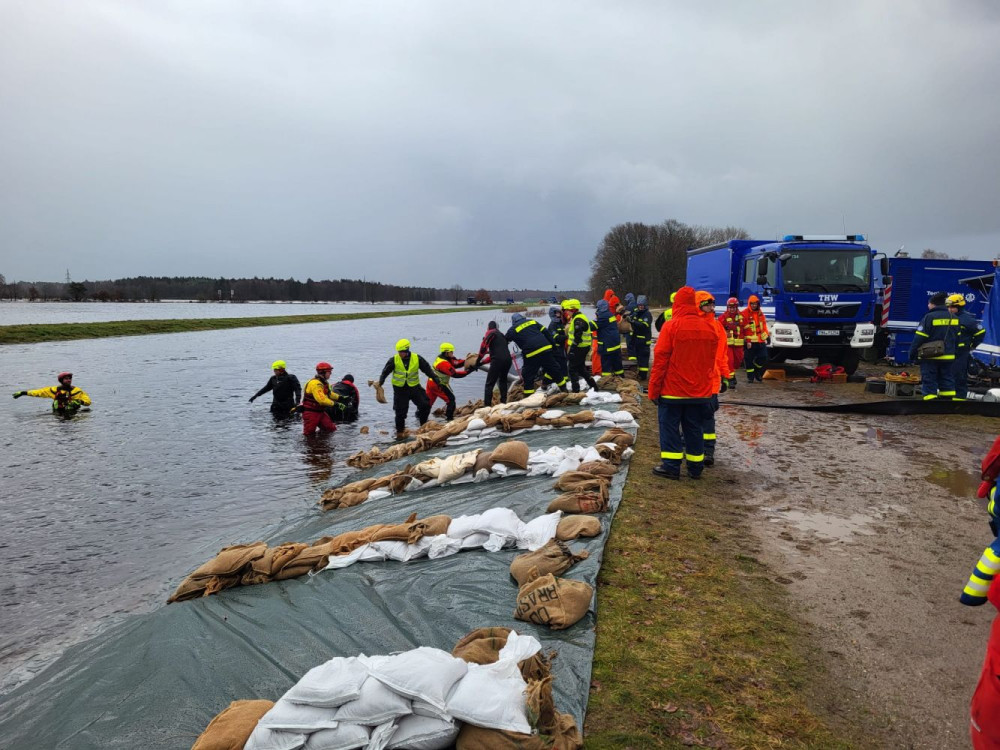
(64, 375)
(324, 366)
(732, 301)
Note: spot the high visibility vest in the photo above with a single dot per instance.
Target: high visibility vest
(406, 374)
(587, 336)
(734, 328)
(443, 377)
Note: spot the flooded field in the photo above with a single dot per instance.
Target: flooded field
(19, 313)
(101, 515)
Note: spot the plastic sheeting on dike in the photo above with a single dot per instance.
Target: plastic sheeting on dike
(156, 680)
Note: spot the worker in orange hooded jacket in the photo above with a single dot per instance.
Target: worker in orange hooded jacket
(706, 306)
(756, 338)
(682, 381)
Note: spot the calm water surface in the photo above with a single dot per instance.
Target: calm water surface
(17, 313)
(103, 515)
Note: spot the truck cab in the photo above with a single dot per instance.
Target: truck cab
(817, 293)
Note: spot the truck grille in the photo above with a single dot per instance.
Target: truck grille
(837, 310)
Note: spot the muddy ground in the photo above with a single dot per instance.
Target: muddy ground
(873, 525)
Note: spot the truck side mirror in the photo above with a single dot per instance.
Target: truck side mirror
(761, 268)
(884, 267)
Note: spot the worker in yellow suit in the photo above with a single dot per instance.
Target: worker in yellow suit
(66, 397)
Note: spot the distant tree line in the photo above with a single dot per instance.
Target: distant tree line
(650, 259)
(199, 288)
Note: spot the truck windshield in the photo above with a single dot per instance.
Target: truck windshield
(817, 270)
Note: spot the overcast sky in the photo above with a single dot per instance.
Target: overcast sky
(485, 144)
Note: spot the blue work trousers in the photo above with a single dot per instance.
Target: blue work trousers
(937, 378)
(611, 361)
(961, 374)
(708, 433)
(546, 362)
(755, 361)
(682, 433)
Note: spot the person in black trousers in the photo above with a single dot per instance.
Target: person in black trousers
(494, 352)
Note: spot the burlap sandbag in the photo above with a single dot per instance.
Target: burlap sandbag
(598, 468)
(429, 426)
(553, 557)
(190, 588)
(271, 563)
(471, 361)
(564, 736)
(578, 481)
(575, 398)
(379, 392)
(540, 704)
(483, 461)
(430, 526)
(624, 326)
(576, 526)
(400, 482)
(555, 602)
(610, 452)
(582, 417)
(310, 559)
(618, 436)
(232, 727)
(396, 532)
(350, 499)
(579, 502)
(513, 453)
(231, 560)
(481, 646)
(555, 399)
(513, 422)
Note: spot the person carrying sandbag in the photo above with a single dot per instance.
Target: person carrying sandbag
(447, 367)
(535, 341)
(580, 333)
(405, 368)
(495, 353)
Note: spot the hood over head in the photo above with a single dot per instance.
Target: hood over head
(603, 308)
(608, 294)
(630, 299)
(517, 318)
(555, 313)
(641, 300)
(684, 303)
(753, 298)
(700, 296)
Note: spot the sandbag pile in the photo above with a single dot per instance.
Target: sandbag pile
(422, 698)
(251, 564)
(477, 465)
(476, 422)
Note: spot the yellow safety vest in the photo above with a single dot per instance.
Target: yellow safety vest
(587, 337)
(406, 374)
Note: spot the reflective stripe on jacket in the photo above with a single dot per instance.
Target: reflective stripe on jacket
(937, 325)
(754, 326)
(733, 325)
(982, 576)
(582, 331)
(970, 332)
(686, 355)
(530, 336)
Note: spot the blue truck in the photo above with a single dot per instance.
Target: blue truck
(818, 293)
(911, 283)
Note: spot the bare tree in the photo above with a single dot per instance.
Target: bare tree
(456, 290)
(934, 254)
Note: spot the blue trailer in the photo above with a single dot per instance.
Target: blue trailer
(817, 293)
(911, 283)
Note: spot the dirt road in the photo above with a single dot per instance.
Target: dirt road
(873, 524)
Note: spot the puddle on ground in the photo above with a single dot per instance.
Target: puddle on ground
(823, 524)
(958, 482)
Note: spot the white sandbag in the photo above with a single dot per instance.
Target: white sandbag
(601, 414)
(591, 454)
(343, 561)
(286, 716)
(552, 414)
(536, 533)
(600, 397)
(566, 465)
(500, 521)
(492, 696)
(627, 454)
(495, 543)
(500, 470)
(416, 484)
(379, 494)
(475, 541)
(604, 423)
(443, 545)
(423, 733)
(263, 738)
(475, 425)
(420, 708)
(376, 704)
(425, 673)
(344, 737)
(519, 647)
(622, 417)
(381, 735)
(330, 684)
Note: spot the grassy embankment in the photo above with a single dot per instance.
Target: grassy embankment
(30, 334)
(695, 646)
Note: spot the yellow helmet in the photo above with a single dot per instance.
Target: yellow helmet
(278, 364)
(446, 347)
(571, 304)
(402, 345)
(955, 300)
(672, 296)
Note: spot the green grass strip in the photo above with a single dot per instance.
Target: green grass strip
(34, 333)
(695, 643)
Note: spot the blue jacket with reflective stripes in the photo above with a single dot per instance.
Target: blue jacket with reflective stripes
(938, 325)
(530, 336)
(970, 332)
(608, 337)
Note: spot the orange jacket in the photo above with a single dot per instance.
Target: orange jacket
(721, 360)
(733, 325)
(754, 324)
(613, 302)
(686, 356)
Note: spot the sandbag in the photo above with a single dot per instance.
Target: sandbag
(576, 526)
(541, 705)
(555, 557)
(426, 674)
(491, 695)
(618, 436)
(331, 684)
(483, 461)
(598, 468)
(578, 481)
(582, 417)
(375, 703)
(423, 733)
(555, 602)
(471, 361)
(232, 727)
(610, 452)
(513, 453)
(231, 560)
(379, 392)
(472, 737)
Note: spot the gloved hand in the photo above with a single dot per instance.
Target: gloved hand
(252, 398)
(20, 393)
(723, 385)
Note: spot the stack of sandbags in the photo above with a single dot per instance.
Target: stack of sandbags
(252, 564)
(581, 481)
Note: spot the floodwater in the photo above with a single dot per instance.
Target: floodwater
(103, 514)
(18, 313)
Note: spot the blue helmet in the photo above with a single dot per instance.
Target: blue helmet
(517, 318)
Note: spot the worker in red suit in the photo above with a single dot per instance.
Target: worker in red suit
(447, 367)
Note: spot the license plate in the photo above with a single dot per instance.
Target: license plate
(827, 332)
